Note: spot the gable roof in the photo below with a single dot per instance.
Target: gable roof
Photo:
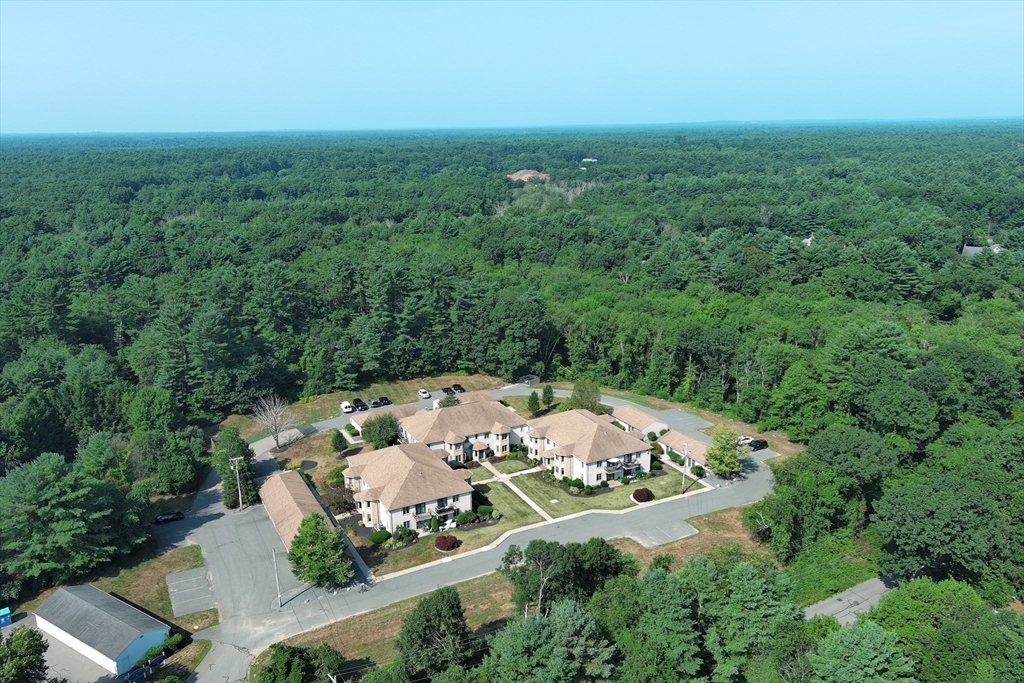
(407, 474)
(288, 501)
(586, 436)
(634, 417)
(481, 417)
(680, 443)
(98, 619)
(476, 397)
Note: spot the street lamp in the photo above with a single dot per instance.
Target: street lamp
(238, 481)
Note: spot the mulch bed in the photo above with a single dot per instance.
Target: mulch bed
(477, 525)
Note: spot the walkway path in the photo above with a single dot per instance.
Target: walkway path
(506, 480)
(847, 605)
(238, 547)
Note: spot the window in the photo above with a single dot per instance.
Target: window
(599, 475)
(442, 502)
(455, 499)
(405, 511)
(406, 522)
(421, 508)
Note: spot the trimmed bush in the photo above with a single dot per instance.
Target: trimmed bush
(697, 471)
(663, 432)
(575, 490)
(154, 652)
(652, 436)
(174, 642)
(467, 517)
(404, 535)
(643, 495)
(625, 480)
(351, 429)
(657, 449)
(576, 483)
(379, 536)
(445, 542)
(588, 490)
(484, 510)
(656, 466)
(604, 484)
(435, 524)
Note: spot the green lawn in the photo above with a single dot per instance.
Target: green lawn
(514, 513)
(542, 493)
(511, 466)
(481, 474)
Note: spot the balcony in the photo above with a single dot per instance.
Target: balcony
(612, 466)
(447, 509)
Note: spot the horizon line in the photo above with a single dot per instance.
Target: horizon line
(538, 127)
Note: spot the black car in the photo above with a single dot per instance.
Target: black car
(758, 444)
(375, 403)
(448, 391)
(170, 517)
(384, 401)
(360, 404)
(458, 389)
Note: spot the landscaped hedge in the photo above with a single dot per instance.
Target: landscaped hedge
(379, 536)
(484, 510)
(467, 517)
(445, 542)
(404, 535)
(643, 495)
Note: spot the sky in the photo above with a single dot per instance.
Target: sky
(253, 66)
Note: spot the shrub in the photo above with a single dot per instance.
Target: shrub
(484, 510)
(351, 429)
(657, 449)
(652, 436)
(467, 517)
(663, 432)
(379, 536)
(576, 483)
(625, 480)
(338, 441)
(604, 484)
(575, 490)
(565, 480)
(643, 495)
(588, 490)
(445, 542)
(154, 652)
(404, 535)
(697, 471)
(174, 642)
(656, 465)
(435, 524)
(676, 458)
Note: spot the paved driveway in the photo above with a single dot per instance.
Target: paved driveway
(238, 550)
(847, 605)
(190, 592)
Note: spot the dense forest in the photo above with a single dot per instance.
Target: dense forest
(807, 279)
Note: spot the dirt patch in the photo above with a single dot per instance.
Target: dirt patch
(184, 661)
(487, 602)
(197, 621)
(716, 529)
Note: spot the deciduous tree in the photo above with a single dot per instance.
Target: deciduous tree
(724, 454)
(435, 635)
(272, 412)
(318, 554)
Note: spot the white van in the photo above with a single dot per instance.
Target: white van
(346, 407)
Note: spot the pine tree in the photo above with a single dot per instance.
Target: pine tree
(548, 395)
(533, 403)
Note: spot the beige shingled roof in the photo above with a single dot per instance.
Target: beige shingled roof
(398, 411)
(431, 426)
(407, 474)
(528, 174)
(288, 500)
(589, 438)
(634, 417)
(680, 442)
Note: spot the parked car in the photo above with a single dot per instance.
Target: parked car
(169, 517)
(458, 389)
(375, 403)
(360, 404)
(744, 440)
(758, 444)
(346, 407)
(384, 401)
(423, 393)
(448, 391)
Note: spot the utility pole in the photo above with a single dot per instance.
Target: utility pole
(238, 481)
(277, 578)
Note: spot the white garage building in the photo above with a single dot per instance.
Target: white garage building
(97, 625)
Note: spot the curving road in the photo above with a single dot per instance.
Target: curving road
(239, 547)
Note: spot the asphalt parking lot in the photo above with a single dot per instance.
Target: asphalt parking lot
(190, 592)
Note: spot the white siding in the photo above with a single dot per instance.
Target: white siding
(77, 645)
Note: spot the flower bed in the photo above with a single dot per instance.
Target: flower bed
(641, 496)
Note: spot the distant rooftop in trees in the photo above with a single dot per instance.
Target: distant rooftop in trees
(526, 175)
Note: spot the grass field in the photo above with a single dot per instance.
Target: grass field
(542, 493)
(370, 637)
(514, 513)
(518, 404)
(480, 474)
(511, 466)
(326, 406)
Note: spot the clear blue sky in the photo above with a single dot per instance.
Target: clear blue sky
(207, 66)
